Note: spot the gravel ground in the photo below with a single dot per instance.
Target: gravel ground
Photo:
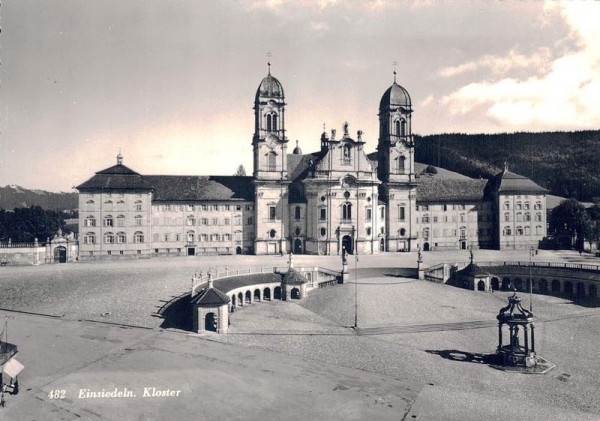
(131, 292)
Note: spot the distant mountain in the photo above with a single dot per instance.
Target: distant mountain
(18, 197)
(566, 163)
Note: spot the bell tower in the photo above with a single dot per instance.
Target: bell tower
(396, 168)
(269, 141)
(271, 181)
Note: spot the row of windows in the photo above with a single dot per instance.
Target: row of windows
(460, 218)
(507, 231)
(191, 237)
(202, 208)
(109, 221)
(109, 205)
(523, 217)
(523, 206)
(455, 232)
(111, 238)
(90, 195)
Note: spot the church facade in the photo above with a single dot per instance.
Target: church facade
(337, 198)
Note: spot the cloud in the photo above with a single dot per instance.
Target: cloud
(566, 95)
(500, 65)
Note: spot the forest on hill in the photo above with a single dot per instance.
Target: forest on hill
(566, 163)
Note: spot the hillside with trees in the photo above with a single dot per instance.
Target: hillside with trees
(566, 163)
(18, 197)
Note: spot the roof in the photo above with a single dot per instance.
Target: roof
(210, 297)
(299, 165)
(293, 277)
(395, 95)
(193, 188)
(509, 182)
(432, 189)
(117, 177)
(473, 269)
(269, 87)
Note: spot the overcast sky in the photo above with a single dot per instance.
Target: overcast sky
(172, 83)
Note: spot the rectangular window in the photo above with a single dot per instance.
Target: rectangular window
(426, 219)
(382, 213)
(227, 221)
(250, 221)
(401, 213)
(272, 213)
(322, 214)
(435, 219)
(215, 221)
(226, 207)
(204, 208)
(368, 214)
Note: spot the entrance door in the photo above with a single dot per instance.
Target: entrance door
(60, 254)
(210, 322)
(382, 245)
(271, 248)
(191, 251)
(347, 244)
(426, 247)
(463, 245)
(297, 246)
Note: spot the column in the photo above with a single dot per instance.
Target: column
(499, 335)
(526, 332)
(532, 337)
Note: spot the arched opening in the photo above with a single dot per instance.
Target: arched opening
(297, 212)
(60, 254)
(248, 297)
(297, 246)
(480, 286)
(277, 293)
(238, 250)
(295, 294)
(210, 322)
(233, 301)
(495, 284)
(568, 288)
(257, 295)
(402, 127)
(382, 244)
(397, 127)
(505, 284)
(543, 286)
(593, 292)
(347, 211)
(267, 294)
(401, 164)
(580, 290)
(426, 247)
(271, 161)
(555, 287)
(518, 284)
(347, 244)
(241, 299)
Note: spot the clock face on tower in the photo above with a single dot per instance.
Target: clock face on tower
(271, 141)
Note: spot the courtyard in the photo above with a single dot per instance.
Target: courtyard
(419, 351)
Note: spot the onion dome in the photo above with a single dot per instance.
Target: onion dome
(293, 277)
(270, 87)
(297, 150)
(395, 96)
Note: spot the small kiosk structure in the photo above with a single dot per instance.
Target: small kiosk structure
(518, 354)
(211, 309)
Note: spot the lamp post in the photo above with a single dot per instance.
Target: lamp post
(531, 251)
(355, 281)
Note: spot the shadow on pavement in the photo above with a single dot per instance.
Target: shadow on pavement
(463, 356)
(177, 313)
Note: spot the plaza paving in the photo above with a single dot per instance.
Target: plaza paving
(417, 357)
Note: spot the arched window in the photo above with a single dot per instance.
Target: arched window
(121, 238)
(138, 205)
(271, 161)
(538, 217)
(527, 216)
(191, 221)
(323, 232)
(401, 164)
(519, 206)
(527, 231)
(519, 217)
(463, 232)
(89, 238)
(272, 122)
(538, 230)
(89, 202)
(190, 236)
(368, 231)
(506, 205)
(397, 127)
(402, 232)
(138, 237)
(519, 230)
(402, 127)
(138, 220)
(272, 233)
(109, 221)
(108, 204)
(506, 217)
(90, 221)
(297, 231)
(507, 231)
(297, 212)
(109, 238)
(121, 220)
(426, 233)
(347, 211)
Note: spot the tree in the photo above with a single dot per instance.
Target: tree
(568, 221)
(24, 225)
(430, 169)
(241, 171)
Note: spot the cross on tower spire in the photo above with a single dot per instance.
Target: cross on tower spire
(269, 62)
(395, 64)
